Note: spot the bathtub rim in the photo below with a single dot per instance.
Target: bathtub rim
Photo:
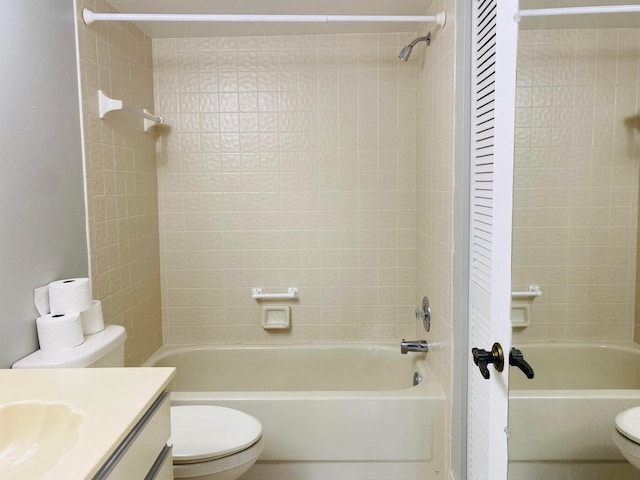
(175, 348)
(594, 393)
(166, 350)
(625, 346)
(429, 386)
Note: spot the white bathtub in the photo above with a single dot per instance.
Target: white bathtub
(561, 422)
(339, 412)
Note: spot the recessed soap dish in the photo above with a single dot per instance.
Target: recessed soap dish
(276, 317)
(520, 314)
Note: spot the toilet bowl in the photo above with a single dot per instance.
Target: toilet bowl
(626, 435)
(209, 443)
(213, 443)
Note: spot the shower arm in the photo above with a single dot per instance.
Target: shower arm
(426, 38)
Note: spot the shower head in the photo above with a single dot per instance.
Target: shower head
(405, 53)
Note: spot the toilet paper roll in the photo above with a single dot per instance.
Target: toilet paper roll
(41, 300)
(92, 321)
(58, 332)
(70, 295)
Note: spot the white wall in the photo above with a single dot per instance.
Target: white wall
(121, 183)
(290, 162)
(435, 195)
(42, 233)
(575, 203)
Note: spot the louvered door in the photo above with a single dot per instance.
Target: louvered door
(493, 96)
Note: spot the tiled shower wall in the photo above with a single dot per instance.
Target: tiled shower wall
(290, 161)
(434, 246)
(121, 184)
(576, 183)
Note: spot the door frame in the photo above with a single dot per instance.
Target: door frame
(461, 228)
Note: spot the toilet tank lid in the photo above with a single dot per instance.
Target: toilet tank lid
(94, 348)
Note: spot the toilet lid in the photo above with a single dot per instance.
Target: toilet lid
(628, 424)
(200, 433)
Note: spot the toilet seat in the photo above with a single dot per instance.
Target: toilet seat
(201, 433)
(226, 468)
(628, 424)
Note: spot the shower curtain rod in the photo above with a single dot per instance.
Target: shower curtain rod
(89, 17)
(549, 12)
(107, 104)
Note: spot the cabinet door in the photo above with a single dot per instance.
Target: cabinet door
(136, 455)
(162, 469)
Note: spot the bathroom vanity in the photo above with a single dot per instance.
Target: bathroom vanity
(103, 423)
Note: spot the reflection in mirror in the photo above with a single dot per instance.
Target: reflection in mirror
(575, 221)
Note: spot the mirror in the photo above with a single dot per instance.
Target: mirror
(575, 223)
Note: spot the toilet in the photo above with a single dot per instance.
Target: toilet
(209, 442)
(626, 435)
(200, 449)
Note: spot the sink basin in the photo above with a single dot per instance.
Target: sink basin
(33, 436)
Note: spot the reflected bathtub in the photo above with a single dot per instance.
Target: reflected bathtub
(347, 412)
(561, 422)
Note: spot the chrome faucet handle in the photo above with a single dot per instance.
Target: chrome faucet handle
(424, 313)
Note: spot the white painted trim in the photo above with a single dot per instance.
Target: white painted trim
(461, 224)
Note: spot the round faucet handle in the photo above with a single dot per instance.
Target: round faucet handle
(424, 313)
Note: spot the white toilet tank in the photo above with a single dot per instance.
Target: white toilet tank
(102, 349)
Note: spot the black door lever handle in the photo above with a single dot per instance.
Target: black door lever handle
(482, 358)
(516, 359)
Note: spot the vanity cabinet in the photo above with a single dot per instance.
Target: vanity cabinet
(143, 454)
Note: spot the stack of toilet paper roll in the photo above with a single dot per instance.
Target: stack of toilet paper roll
(72, 314)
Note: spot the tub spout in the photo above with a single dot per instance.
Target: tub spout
(413, 346)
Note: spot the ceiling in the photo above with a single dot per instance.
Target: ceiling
(342, 7)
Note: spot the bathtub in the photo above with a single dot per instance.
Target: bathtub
(561, 422)
(340, 412)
